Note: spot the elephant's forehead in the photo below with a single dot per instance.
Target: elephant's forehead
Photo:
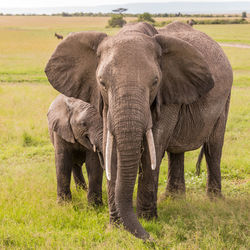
(128, 56)
(130, 45)
(132, 52)
(128, 64)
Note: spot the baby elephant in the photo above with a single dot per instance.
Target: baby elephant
(76, 131)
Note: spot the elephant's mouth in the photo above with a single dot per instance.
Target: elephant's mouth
(109, 147)
(95, 149)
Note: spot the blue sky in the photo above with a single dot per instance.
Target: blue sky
(62, 3)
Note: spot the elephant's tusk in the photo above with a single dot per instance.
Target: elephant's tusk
(94, 148)
(108, 154)
(151, 147)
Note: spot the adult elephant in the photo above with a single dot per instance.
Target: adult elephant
(149, 88)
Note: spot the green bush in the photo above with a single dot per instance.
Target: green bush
(162, 24)
(28, 140)
(222, 21)
(244, 14)
(146, 17)
(116, 21)
(66, 14)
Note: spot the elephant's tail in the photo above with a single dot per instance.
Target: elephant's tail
(198, 164)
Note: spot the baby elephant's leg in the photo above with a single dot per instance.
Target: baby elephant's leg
(78, 177)
(95, 173)
(79, 159)
(64, 164)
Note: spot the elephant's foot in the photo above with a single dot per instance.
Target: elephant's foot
(146, 206)
(64, 197)
(81, 186)
(175, 189)
(147, 215)
(175, 194)
(95, 199)
(214, 193)
(147, 212)
(115, 219)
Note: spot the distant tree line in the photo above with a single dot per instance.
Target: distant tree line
(117, 20)
(66, 14)
(222, 21)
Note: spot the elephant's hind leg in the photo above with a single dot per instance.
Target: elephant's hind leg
(79, 157)
(176, 180)
(213, 151)
(79, 178)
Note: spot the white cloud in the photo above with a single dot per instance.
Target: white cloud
(62, 3)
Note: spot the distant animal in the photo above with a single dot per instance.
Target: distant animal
(58, 36)
(191, 22)
(76, 132)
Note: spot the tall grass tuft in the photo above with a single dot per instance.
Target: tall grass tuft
(28, 140)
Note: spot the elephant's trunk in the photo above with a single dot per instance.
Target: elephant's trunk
(129, 118)
(128, 161)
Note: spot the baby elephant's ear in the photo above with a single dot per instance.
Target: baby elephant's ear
(59, 119)
(185, 72)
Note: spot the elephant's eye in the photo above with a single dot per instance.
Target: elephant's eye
(102, 83)
(155, 81)
(84, 124)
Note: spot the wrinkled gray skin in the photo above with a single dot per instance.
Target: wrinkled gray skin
(76, 131)
(177, 82)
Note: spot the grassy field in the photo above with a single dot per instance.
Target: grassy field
(29, 215)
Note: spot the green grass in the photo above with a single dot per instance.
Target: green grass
(230, 33)
(240, 61)
(30, 218)
(27, 43)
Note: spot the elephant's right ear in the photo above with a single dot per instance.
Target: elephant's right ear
(71, 68)
(59, 119)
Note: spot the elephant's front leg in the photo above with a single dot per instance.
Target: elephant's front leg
(148, 179)
(63, 173)
(95, 174)
(148, 185)
(176, 180)
(113, 213)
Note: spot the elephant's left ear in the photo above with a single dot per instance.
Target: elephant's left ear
(185, 73)
(72, 68)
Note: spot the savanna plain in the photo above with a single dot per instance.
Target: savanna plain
(30, 218)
